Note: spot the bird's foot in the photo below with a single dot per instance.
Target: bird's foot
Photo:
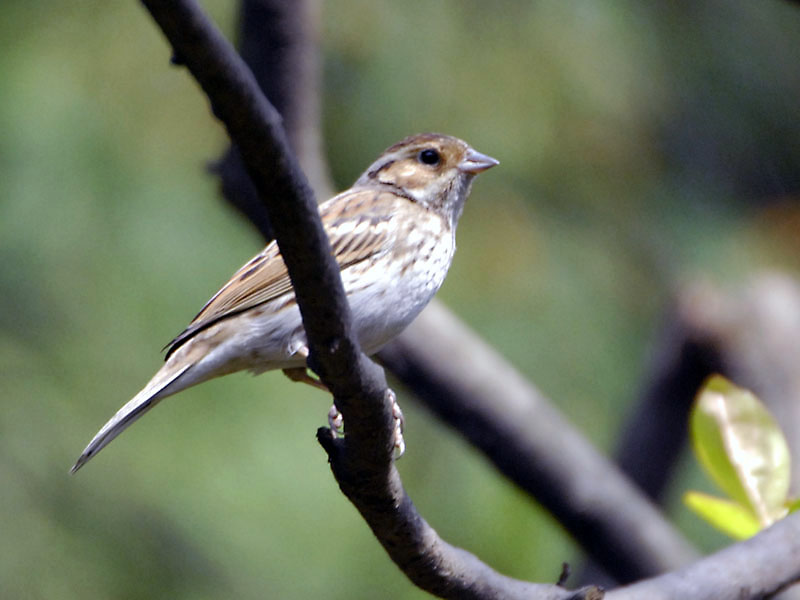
(399, 423)
(336, 423)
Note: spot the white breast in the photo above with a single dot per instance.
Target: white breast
(386, 295)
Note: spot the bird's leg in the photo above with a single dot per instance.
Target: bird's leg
(335, 420)
(300, 374)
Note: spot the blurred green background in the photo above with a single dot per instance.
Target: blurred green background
(641, 143)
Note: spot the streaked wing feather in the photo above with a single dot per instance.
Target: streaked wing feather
(265, 278)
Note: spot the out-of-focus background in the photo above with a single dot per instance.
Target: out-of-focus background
(640, 145)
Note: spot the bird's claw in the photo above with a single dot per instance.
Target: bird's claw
(399, 423)
(336, 423)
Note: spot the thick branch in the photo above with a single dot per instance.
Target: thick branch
(475, 390)
(756, 568)
(369, 478)
(362, 462)
(269, 61)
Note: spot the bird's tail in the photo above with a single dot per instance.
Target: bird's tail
(164, 383)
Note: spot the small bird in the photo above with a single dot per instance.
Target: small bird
(393, 236)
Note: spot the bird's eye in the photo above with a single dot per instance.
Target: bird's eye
(429, 157)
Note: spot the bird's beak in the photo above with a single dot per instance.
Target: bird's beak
(474, 162)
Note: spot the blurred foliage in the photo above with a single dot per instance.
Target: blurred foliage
(640, 144)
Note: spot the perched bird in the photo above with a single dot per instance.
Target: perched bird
(393, 235)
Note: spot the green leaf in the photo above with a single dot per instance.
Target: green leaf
(792, 505)
(742, 448)
(729, 517)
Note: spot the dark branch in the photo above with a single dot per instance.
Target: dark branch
(756, 568)
(277, 41)
(472, 388)
(269, 59)
(362, 461)
(750, 334)
(506, 417)
(655, 434)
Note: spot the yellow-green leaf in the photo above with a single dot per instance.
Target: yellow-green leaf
(729, 517)
(741, 446)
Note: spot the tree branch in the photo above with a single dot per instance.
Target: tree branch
(362, 461)
(277, 40)
(751, 334)
(756, 568)
(642, 555)
(473, 389)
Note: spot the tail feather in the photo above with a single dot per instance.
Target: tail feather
(135, 408)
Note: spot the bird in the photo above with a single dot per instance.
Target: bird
(393, 236)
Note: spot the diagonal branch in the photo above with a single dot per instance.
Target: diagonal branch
(644, 543)
(471, 387)
(362, 462)
(285, 68)
(756, 568)
(761, 565)
(507, 418)
(277, 41)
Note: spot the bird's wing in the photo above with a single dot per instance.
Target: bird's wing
(357, 225)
